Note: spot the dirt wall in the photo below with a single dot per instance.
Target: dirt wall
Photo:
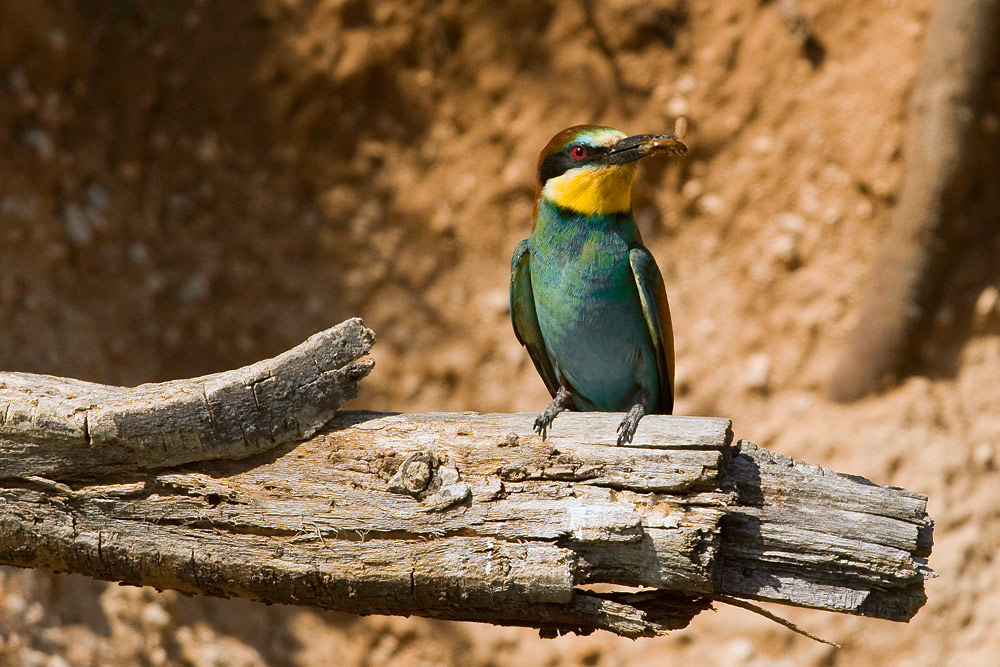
(189, 187)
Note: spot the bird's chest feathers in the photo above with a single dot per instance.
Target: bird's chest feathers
(579, 270)
(600, 266)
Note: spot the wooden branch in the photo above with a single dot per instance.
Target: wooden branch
(458, 516)
(804, 535)
(67, 429)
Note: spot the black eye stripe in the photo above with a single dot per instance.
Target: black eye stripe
(554, 165)
(559, 163)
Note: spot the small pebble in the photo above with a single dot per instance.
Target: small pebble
(809, 201)
(692, 189)
(208, 148)
(792, 222)
(193, 290)
(784, 251)
(758, 372)
(802, 402)
(832, 214)
(983, 455)
(986, 307)
(740, 649)
(34, 614)
(97, 196)
(18, 80)
(762, 144)
(77, 225)
(40, 141)
(677, 106)
(712, 204)
(155, 615)
(685, 84)
(57, 39)
(864, 209)
(17, 207)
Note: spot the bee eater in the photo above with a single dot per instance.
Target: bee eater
(586, 297)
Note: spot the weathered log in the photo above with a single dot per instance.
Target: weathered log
(805, 535)
(62, 428)
(459, 516)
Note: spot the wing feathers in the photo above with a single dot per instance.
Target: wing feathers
(653, 295)
(522, 315)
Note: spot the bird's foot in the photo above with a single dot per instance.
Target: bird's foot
(544, 419)
(542, 423)
(626, 430)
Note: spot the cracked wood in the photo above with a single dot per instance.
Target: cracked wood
(459, 516)
(62, 428)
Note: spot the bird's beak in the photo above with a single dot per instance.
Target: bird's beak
(631, 149)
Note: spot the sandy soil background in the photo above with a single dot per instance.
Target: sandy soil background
(186, 187)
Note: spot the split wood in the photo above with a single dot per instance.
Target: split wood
(250, 484)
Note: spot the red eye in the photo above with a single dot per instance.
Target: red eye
(579, 152)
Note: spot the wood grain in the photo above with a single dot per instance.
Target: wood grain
(459, 516)
(67, 429)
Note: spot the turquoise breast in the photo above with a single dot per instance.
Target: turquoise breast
(589, 310)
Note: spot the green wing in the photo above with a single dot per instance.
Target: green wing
(522, 314)
(653, 295)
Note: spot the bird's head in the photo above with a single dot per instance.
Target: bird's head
(589, 169)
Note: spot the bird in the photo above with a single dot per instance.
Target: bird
(587, 299)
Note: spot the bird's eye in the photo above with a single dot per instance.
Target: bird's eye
(579, 152)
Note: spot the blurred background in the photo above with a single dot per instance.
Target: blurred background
(187, 187)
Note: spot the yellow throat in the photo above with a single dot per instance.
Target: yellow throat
(593, 189)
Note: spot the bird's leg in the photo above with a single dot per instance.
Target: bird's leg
(544, 420)
(626, 430)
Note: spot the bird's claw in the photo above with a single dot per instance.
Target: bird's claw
(628, 425)
(542, 424)
(626, 430)
(545, 418)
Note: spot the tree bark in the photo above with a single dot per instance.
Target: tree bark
(62, 428)
(227, 485)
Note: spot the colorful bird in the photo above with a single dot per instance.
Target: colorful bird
(586, 297)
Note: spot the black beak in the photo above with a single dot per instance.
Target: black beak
(631, 149)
